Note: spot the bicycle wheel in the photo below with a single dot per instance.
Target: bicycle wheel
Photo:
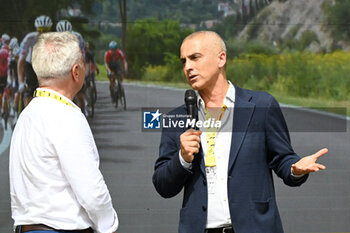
(6, 113)
(90, 102)
(19, 109)
(122, 97)
(94, 92)
(116, 95)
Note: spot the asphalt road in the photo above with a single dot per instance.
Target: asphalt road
(128, 155)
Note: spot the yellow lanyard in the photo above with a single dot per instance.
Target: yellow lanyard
(52, 95)
(211, 136)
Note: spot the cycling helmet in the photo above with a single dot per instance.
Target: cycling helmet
(113, 45)
(13, 43)
(64, 26)
(43, 21)
(5, 38)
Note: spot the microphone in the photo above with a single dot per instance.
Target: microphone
(191, 104)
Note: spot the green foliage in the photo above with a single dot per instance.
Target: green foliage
(236, 48)
(301, 74)
(229, 27)
(254, 26)
(338, 18)
(150, 41)
(296, 74)
(185, 11)
(307, 37)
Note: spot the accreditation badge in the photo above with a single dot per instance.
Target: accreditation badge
(211, 179)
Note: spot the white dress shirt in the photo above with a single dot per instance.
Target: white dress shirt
(218, 207)
(54, 170)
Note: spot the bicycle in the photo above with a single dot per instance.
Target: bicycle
(90, 95)
(118, 94)
(8, 105)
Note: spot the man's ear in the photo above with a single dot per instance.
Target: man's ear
(222, 59)
(75, 72)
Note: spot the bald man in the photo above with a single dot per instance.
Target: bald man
(226, 170)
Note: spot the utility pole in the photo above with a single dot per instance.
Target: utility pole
(122, 9)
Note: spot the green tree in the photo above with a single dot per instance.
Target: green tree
(149, 40)
(338, 18)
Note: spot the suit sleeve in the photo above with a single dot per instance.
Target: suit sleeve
(169, 175)
(280, 152)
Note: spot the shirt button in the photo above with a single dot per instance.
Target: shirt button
(204, 208)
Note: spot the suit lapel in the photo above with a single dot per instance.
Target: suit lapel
(243, 112)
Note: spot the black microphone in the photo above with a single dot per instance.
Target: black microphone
(191, 104)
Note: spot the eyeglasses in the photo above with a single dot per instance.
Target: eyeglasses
(42, 29)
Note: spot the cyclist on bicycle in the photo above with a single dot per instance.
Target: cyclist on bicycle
(66, 26)
(26, 73)
(112, 63)
(4, 57)
(5, 39)
(8, 97)
(13, 57)
(90, 65)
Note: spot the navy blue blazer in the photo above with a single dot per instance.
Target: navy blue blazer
(260, 143)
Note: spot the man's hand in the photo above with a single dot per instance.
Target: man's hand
(308, 164)
(190, 141)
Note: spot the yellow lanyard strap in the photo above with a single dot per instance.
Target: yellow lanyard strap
(52, 95)
(211, 136)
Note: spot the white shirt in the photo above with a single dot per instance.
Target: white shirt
(27, 45)
(54, 170)
(218, 207)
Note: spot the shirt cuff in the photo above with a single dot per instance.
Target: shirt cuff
(115, 224)
(184, 163)
(295, 176)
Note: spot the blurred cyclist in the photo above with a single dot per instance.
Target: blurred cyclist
(66, 26)
(13, 57)
(91, 67)
(112, 63)
(4, 58)
(26, 73)
(5, 40)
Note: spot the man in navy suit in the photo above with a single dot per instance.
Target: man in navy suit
(226, 171)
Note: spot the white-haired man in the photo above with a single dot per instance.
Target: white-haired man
(56, 185)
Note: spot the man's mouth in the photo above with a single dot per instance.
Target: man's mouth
(190, 77)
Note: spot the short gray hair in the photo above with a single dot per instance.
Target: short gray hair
(54, 55)
(216, 38)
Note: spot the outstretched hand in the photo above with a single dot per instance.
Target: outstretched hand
(308, 164)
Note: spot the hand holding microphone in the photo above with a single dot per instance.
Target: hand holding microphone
(190, 140)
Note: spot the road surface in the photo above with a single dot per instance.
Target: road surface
(128, 155)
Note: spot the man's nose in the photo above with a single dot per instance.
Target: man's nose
(188, 66)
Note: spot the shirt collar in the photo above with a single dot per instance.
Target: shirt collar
(229, 98)
(63, 97)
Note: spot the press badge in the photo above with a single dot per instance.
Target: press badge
(211, 179)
